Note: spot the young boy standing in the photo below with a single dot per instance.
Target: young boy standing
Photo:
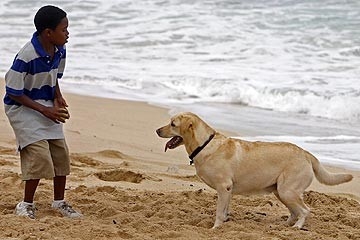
(36, 110)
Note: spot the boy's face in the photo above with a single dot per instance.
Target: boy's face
(60, 35)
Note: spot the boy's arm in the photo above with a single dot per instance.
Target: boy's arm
(54, 113)
(59, 101)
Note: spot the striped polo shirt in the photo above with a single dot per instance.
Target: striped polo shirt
(34, 74)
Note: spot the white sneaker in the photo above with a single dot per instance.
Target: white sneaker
(25, 209)
(66, 209)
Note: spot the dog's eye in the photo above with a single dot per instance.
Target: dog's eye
(172, 124)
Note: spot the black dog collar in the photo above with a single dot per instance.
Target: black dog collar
(198, 149)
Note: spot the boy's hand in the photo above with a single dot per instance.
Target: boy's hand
(56, 114)
(60, 102)
(64, 115)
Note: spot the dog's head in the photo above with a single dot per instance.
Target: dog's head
(184, 128)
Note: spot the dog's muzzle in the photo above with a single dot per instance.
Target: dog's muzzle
(173, 142)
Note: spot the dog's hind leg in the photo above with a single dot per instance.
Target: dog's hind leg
(298, 210)
(293, 210)
(290, 191)
(222, 207)
(292, 218)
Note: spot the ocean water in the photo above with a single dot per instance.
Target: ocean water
(281, 70)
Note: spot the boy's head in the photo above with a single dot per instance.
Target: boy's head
(48, 17)
(51, 24)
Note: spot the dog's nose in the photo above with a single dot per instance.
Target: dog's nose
(158, 131)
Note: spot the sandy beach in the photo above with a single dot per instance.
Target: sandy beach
(128, 188)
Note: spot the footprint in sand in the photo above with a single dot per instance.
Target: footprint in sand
(80, 160)
(112, 154)
(120, 175)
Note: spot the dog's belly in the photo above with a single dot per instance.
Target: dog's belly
(252, 183)
(250, 190)
(244, 187)
(240, 182)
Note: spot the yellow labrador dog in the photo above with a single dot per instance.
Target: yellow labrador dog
(234, 166)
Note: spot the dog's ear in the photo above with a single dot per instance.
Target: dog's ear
(188, 126)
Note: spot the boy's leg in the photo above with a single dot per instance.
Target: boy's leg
(36, 163)
(61, 160)
(30, 188)
(26, 208)
(59, 187)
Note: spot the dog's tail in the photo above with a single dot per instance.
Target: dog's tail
(326, 177)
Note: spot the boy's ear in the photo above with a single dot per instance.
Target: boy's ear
(47, 32)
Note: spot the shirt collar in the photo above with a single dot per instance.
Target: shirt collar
(39, 48)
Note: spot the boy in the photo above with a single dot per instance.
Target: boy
(36, 110)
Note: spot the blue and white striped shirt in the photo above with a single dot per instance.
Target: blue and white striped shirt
(34, 74)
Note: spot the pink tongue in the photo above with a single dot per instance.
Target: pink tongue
(168, 145)
(173, 142)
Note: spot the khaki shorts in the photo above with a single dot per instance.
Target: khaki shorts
(45, 159)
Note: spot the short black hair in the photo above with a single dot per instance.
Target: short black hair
(48, 17)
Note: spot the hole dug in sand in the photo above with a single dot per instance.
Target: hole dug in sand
(120, 175)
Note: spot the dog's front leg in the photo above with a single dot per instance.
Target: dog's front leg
(224, 197)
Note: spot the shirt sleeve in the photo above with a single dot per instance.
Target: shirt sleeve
(14, 78)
